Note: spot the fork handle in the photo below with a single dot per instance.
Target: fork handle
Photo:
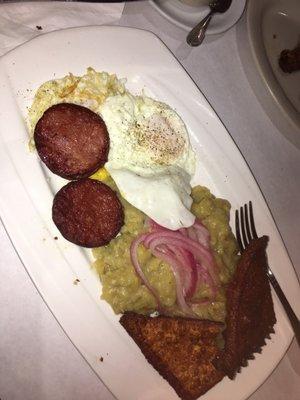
(286, 305)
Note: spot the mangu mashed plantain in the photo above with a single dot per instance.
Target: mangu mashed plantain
(122, 288)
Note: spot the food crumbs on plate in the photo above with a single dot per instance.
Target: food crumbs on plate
(55, 238)
(76, 281)
(39, 28)
(101, 359)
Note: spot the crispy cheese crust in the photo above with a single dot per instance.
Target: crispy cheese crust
(250, 314)
(180, 349)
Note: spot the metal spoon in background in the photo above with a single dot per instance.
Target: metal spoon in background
(197, 34)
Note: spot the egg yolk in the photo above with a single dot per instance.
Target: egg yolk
(100, 175)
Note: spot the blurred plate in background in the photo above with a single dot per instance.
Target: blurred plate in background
(272, 26)
(187, 17)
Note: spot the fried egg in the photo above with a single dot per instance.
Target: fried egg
(150, 159)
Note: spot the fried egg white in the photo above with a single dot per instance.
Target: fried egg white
(150, 158)
(89, 90)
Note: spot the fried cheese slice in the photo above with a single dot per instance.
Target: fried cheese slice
(250, 316)
(180, 349)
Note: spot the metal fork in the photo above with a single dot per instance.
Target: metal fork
(245, 233)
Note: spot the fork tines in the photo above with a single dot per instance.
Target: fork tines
(244, 226)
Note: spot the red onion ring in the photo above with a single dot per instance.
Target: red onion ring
(176, 239)
(136, 264)
(177, 271)
(187, 251)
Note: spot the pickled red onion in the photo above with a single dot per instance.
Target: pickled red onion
(189, 255)
(177, 272)
(135, 262)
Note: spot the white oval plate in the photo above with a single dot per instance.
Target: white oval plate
(27, 188)
(186, 16)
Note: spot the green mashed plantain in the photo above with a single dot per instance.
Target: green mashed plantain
(123, 289)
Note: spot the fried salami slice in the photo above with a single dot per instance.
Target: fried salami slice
(180, 349)
(87, 213)
(71, 140)
(250, 314)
